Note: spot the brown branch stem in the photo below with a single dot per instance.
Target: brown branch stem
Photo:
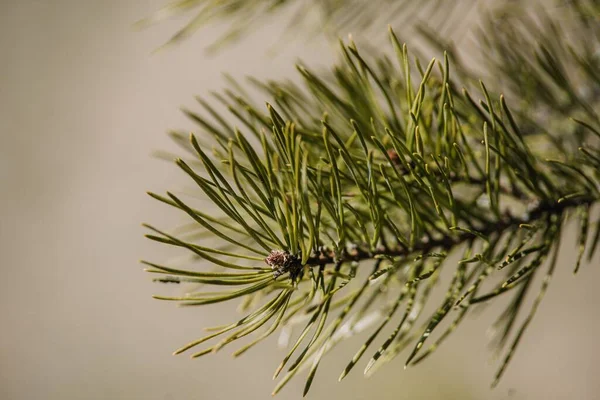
(450, 241)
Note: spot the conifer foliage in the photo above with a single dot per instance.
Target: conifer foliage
(338, 204)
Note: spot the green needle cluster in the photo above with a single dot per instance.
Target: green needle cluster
(338, 203)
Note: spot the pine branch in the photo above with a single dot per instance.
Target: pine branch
(449, 242)
(390, 168)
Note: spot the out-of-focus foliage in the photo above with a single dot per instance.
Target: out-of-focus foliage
(331, 17)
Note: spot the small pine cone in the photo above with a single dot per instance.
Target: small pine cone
(395, 159)
(394, 156)
(277, 258)
(281, 262)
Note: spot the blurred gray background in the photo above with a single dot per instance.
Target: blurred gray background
(83, 104)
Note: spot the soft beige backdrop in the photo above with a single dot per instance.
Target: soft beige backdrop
(83, 104)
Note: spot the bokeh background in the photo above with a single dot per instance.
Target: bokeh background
(83, 104)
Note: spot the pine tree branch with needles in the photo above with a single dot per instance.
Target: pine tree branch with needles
(339, 203)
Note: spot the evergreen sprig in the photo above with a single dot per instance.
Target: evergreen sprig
(388, 167)
(341, 201)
